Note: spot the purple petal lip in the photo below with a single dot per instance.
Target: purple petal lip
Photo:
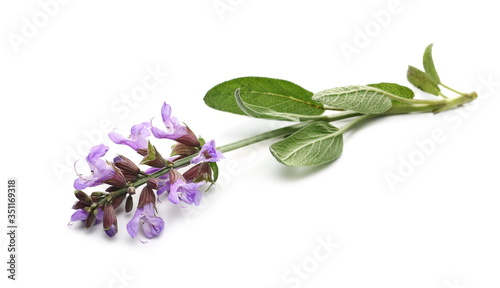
(79, 214)
(137, 139)
(111, 231)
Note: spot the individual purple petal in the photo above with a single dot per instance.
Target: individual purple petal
(174, 128)
(186, 192)
(79, 214)
(163, 186)
(137, 139)
(100, 169)
(208, 153)
(133, 224)
(111, 231)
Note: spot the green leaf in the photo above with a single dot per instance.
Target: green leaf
(422, 81)
(275, 94)
(215, 171)
(396, 89)
(358, 98)
(264, 112)
(316, 143)
(429, 67)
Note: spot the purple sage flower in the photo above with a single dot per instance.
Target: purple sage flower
(185, 192)
(99, 168)
(174, 128)
(137, 139)
(208, 154)
(151, 224)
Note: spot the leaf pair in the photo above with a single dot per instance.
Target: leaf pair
(270, 98)
(318, 142)
(429, 80)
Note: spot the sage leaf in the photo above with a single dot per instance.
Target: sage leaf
(429, 67)
(422, 81)
(264, 112)
(316, 143)
(358, 98)
(274, 94)
(396, 89)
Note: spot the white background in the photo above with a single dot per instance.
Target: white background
(440, 227)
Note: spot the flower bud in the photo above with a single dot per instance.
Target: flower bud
(129, 169)
(129, 204)
(79, 205)
(117, 200)
(126, 164)
(91, 218)
(110, 223)
(82, 196)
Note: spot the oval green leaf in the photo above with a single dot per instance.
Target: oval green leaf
(429, 67)
(358, 98)
(274, 94)
(316, 143)
(422, 81)
(264, 112)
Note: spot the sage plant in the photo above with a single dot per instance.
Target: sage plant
(191, 165)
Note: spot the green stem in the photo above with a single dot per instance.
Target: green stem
(353, 123)
(451, 89)
(284, 131)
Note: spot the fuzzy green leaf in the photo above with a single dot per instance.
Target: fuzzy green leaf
(264, 112)
(422, 81)
(396, 89)
(358, 98)
(274, 94)
(429, 67)
(314, 144)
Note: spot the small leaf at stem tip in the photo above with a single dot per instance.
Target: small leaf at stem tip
(275, 94)
(422, 81)
(264, 112)
(429, 67)
(316, 143)
(396, 89)
(358, 98)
